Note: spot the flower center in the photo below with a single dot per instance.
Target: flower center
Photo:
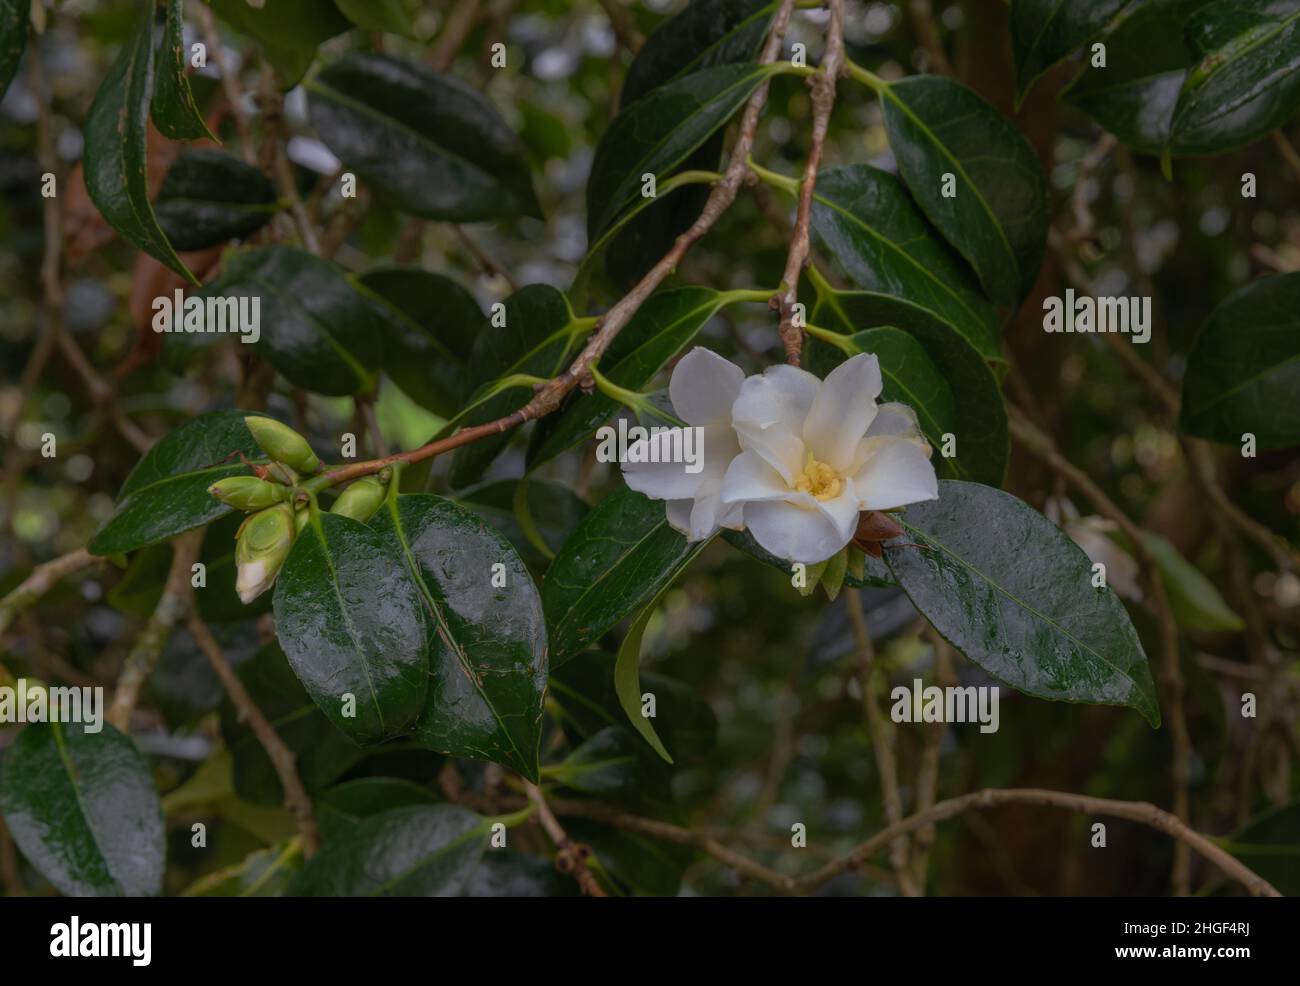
(819, 479)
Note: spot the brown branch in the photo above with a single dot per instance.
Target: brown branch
(282, 758)
(484, 260)
(882, 745)
(172, 606)
(43, 578)
(570, 857)
(1134, 811)
(455, 29)
(822, 84)
(623, 26)
(927, 771)
(1042, 446)
(551, 394)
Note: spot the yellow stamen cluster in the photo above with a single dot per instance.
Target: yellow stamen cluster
(819, 479)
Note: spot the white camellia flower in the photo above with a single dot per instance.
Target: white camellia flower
(702, 389)
(817, 453)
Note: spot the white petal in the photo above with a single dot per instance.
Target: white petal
(798, 533)
(719, 448)
(843, 410)
(750, 479)
(658, 480)
(769, 414)
(709, 513)
(842, 511)
(704, 386)
(898, 473)
(251, 580)
(895, 419)
(679, 516)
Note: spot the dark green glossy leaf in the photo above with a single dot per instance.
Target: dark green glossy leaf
(704, 34)
(1043, 32)
(431, 143)
(264, 873)
(321, 752)
(14, 15)
(1134, 95)
(487, 644)
(1243, 372)
(983, 445)
(620, 557)
(82, 808)
(378, 15)
(658, 132)
(288, 31)
(174, 111)
(536, 340)
(167, 492)
(865, 219)
(183, 685)
(1248, 81)
(209, 197)
(316, 329)
(908, 373)
(502, 873)
(997, 219)
(1013, 593)
(117, 156)
(555, 510)
(340, 809)
(614, 762)
(427, 851)
(429, 333)
(660, 329)
(351, 621)
(627, 682)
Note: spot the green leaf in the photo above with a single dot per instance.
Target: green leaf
(908, 373)
(263, 873)
(430, 322)
(620, 557)
(1243, 372)
(1196, 603)
(660, 329)
(646, 865)
(429, 142)
(322, 753)
(583, 691)
(502, 873)
(378, 15)
(1247, 82)
(175, 113)
(209, 197)
(1044, 32)
(555, 509)
(14, 15)
(997, 219)
(1134, 94)
(429, 851)
(117, 155)
(535, 339)
(658, 132)
(613, 762)
(487, 644)
(83, 809)
(865, 219)
(288, 31)
(317, 330)
(1007, 587)
(167, 492)
(983, 445)
(351, 621)
(340, 809)
(627, 682)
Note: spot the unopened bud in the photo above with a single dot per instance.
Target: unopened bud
(300, 519)
(248, 492)
(261, 547)
(360, 500)
(282, 443)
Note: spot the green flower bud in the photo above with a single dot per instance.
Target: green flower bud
(248, 492)
(360, 500)
(300, 519)
(261, 547)
(283, 444)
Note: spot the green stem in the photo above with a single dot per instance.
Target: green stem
(514, 818)
(868, 78)
(745, 294)
(836, 339)
(790, 185)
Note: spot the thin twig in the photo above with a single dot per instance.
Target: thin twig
(455, 30)
(570, 857)
(927, 32)
(174, 603)
(1289, 153)
(229, 82)
(43, 578)
(623, 26)
(282, 758)
(489, 266)
(822, 84)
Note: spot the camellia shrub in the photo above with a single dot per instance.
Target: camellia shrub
(604, 448)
